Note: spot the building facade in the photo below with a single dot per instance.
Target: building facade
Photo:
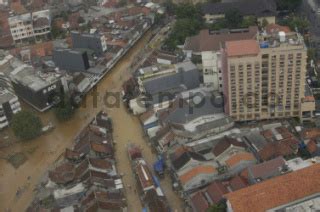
(207, 45)
(21, 26)
(71, 60)
(94, 42)
(265, 78)
(40, 90)
(9, 105)
(30, 25)
(41, 22)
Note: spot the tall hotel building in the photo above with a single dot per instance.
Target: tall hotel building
(264, 78)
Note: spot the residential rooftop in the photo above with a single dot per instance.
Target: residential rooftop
(208, 40)
(6, 96)
(278, 191)
(242, 48)
(35, 80)
(186, 77)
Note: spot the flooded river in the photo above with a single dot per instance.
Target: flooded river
(44, 151)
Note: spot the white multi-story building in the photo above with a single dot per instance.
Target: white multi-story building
(9, 105)
(207, 45)
(41, 22)
(4, 2)
(21, 26)
(29, 25)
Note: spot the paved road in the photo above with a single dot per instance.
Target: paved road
(309, 9)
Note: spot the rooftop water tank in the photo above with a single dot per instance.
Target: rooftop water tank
(282, 36)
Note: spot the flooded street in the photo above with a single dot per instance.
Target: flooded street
(42, 152)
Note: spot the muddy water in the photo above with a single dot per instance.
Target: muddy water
(45, 150)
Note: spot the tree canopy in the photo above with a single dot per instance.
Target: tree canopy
(26, 125)
(301, 23)
(233, 18)
(220, 207)
(64, 110)
(188, 22)
(290, 5)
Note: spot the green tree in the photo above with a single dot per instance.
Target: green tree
(301, 23)
(214, 1)
(187, 11)
(233, 18)
(64, 110)
(55, 31)
(181, 30)
(304, 153)
(81, 20)
(220, 207)
(170, 7)
(196, 59)
(312, 54)
(64, 15)
(123, 3)
(264, 23)
(290, 5)
(189, 22)
(26, 125)
(158, 19)
(218, 25)
(248, 21)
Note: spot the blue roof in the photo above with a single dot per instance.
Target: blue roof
(158, 165)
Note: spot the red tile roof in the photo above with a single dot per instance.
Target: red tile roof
(238, 182)
(225, 143)
(39, 49)
(73, 20)
(216, 190)
(205, 41)
(100, 163)
(145, 116)
(4, 24)
(196, 171)
(276, 191)
(101, 148)
(239, 157)
(63, 173)
(242, 48)
(18, 7)
(72, 155)
(179, 151)
(311, 133)
(285, 147)
(144, 176)
(262, 169)
(274, 28)
(199, 202)
(312, 146)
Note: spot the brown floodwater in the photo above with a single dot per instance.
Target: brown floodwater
(44, 151)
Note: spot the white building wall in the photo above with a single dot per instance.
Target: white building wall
(4, 2)
(153, 131)
(198, 181)
(210, 64)
(20, 29)
(21, 26)
(223, 157)
(136, 107)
